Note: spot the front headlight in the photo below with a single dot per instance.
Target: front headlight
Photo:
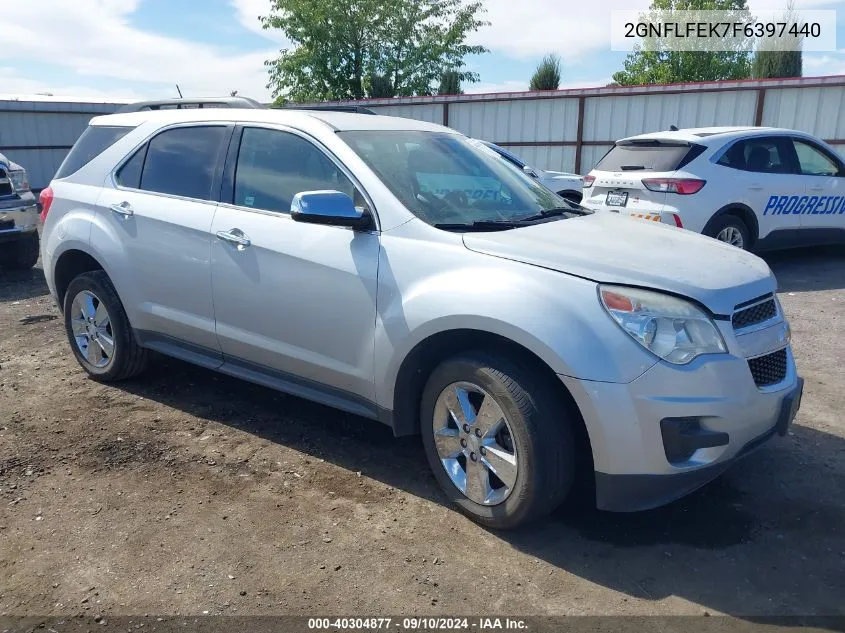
(20, 182)
(673, 329)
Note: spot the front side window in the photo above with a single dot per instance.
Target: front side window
(182, 161)
(814, 162)
(274, 166)
(445, 178)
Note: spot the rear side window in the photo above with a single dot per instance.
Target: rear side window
(91, 144)
(182, 161)
(651, 156)
(760, 155)
(130, 174)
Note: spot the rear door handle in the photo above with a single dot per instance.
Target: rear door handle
(124, 209)
(755, 187)
(817, 188)
(236, 237)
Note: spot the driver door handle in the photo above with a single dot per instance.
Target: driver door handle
(236, 237)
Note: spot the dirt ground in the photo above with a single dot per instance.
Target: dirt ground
(188, 492)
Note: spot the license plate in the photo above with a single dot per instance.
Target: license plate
(789, 408)
(616, 198)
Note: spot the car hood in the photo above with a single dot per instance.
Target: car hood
(560, 174)
(609, 248)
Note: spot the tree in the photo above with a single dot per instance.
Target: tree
(772, 60)
(336, 45)
(379, 87)
(547, 75)
(652, 63)
(450, 83)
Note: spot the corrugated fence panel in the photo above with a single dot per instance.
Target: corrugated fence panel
(517, 121)
(556, 158)
(39, 134)
(612, 118)
(40, 164)
(591, 154)
(431, 112)
(814, 110)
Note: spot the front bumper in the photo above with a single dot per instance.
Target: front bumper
(18, 217)
(637, 462)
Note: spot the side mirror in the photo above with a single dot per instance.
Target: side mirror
(530, 171)
(326, 207)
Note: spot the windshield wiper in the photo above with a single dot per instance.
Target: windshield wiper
(482, 225)
(556, 211)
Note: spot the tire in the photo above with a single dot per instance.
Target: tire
(124, 358)
(537, 420)
(724, 226)
(22, 254)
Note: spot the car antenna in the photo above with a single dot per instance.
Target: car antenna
(179, 91)
(673, 128)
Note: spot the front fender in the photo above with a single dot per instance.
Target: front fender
(556, 316)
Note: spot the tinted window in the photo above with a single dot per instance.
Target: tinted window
(814, 162)
(762, 155)
(182, 161)
(275, 166)
(649, 156)
(130, 174)
(91, 144)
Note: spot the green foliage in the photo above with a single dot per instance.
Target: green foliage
(339, 47)
(379, 87)
(547, 75)
(772, 61)
(653, 64)
(450, 83)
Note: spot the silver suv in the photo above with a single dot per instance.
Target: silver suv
(403, 272)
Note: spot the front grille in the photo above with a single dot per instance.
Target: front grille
(769, 369)
(754, 314)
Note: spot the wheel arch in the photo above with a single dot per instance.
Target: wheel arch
(424, 357)
(744, 213)
(69, 265)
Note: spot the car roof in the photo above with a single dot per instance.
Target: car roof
(711, 135)
(339, 121)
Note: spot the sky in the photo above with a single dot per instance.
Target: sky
(134, 49)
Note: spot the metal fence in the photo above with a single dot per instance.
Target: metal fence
(38, 132)
(570, 130)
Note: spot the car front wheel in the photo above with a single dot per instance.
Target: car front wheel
(21, 254)
(498, 438)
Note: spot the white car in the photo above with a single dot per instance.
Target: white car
(564, 184)
(756, 188)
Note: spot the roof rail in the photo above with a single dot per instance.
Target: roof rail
(355, 109)
(184, 104)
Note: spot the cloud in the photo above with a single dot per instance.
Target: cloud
(94, 38)
(13, 84)
(248, 12)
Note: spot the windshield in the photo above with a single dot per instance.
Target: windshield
(445, 178)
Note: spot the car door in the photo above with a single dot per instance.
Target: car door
(825, 180)
(159, 213)
(293, 302)
(770, 185)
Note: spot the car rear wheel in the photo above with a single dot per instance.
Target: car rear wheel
(498, 438)
(98, 329)
(731, 230)
(21, 254)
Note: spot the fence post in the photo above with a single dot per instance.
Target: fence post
(579, 138)
(761, 100)
(446, 113)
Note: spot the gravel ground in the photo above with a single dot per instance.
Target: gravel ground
(189, 492)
